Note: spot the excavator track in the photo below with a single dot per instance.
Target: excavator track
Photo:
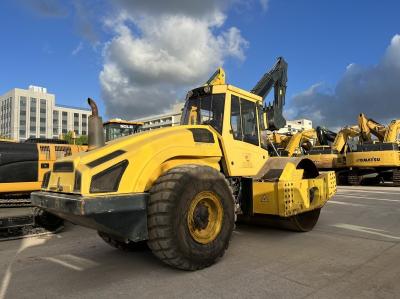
(15, 203)
(396, 177)
(19, 219)
(353, 178)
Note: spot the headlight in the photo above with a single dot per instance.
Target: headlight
(108, 180)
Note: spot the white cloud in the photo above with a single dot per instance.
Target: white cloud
(77, 49)
(264, 4)
(155, 56)
(373, 90)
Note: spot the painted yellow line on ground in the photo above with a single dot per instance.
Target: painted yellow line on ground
(345, 203)
(368, 230)
(372, 198)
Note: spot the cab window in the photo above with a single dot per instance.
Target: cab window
(236, 122)
(244, 120)
(204, 110)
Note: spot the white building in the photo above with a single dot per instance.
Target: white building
(32, 112)
(294, 126)
(169, 119)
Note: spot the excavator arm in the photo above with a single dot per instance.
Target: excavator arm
(324, 135)
(369, 126)
(343, 135)
(393, 132)
(275, 78)
(297, 140)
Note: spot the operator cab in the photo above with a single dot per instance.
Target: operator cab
(237, 116)
(203, 107)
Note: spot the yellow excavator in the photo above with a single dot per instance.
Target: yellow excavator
(369, 127)
(380, 158)
(180, 189)
(22, 169)
(300, 143)
(333, 157)
(275, 142)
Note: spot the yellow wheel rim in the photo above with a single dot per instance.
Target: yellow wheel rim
(204, 217)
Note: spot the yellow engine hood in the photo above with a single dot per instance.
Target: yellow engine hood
(148, 154)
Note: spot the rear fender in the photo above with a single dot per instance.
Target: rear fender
(174, 157)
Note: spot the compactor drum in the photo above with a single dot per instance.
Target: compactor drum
(182, 188)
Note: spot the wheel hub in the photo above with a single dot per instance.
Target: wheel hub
(205, 215)
(201, 215)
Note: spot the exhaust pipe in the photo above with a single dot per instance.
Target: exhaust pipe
(95, 131)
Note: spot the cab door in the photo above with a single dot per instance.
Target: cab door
(241, 137)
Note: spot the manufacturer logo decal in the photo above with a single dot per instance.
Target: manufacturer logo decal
(373, 159)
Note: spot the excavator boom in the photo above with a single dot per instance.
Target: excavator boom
(343, 135)
(297, 140)
(276, 78)
(324, 135)
(369, 126)
(393, 132)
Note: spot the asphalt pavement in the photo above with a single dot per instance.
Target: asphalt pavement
(353, 252)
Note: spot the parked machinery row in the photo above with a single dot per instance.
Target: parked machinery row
(22, 169)
(368, 151)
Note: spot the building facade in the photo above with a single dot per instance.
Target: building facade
(33, 113)
(294, 126)
(169, 119)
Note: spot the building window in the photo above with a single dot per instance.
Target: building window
(43, 116)
(76, 123)
(84, 124)
(64, 122)
(55, 122)
(32, 119)
(22, 117)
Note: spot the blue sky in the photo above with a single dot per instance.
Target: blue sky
(63, 46)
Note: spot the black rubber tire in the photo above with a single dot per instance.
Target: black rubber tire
(129, 246)
(169, 236)
(47, 220)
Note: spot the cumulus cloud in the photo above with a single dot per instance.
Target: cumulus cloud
(374, 90)
(160, 49)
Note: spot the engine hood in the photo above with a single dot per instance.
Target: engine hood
(146, 155)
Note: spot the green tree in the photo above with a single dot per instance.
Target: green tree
(80, 140)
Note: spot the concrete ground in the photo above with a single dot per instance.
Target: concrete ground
(354, 252)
